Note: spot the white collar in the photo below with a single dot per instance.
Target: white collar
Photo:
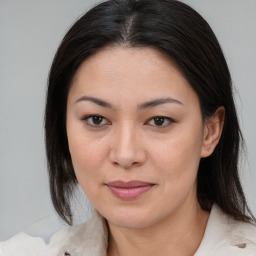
(223, 236)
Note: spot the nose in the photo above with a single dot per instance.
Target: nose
(126, 147)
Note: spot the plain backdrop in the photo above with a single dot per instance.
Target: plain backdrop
(30, 32)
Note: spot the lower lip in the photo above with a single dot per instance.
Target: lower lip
(129, 193)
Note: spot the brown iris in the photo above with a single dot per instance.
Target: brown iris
(159, 121)
(97, 120)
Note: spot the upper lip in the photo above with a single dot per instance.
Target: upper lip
(128, 184)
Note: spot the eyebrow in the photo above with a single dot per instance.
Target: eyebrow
(96, 101)
(160, 101)
(148, 104)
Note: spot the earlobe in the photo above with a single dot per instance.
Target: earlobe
(212, 131)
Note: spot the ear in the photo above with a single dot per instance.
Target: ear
(213, 127)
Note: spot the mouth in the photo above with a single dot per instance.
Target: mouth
(129, 190)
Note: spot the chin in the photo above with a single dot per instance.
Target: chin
(131, 218)
(134, 223)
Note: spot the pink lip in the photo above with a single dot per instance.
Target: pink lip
(128, 190)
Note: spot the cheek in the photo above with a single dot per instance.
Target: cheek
(87, 157)
(178, 160)
(179, 156)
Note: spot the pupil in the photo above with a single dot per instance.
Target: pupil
(97, 119)
(159, 121)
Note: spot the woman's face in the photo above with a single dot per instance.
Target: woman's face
(135, 135)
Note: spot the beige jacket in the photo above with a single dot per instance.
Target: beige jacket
(223, 237)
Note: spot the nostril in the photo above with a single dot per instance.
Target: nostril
(134, 164)
(127, 165)
(242, 245)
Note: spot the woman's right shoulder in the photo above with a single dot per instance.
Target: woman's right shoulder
(23, 244)
(89, 237)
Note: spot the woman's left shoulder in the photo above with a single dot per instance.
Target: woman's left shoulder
(226, 236)
(240, 235)
(243, 231)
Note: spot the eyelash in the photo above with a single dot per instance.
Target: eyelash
(86, 118)
(154, 118)
(162, 118)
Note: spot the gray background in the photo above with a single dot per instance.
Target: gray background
(30, 32)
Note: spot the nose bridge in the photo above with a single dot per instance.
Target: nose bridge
(126, 148)
(125, 144)
(127, 135)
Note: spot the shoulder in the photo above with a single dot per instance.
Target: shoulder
(22, 243)
(89, 237)
(234, 229)
(241, 235)
(225, 235)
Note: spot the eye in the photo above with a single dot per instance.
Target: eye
(95, 120)
(160, 121)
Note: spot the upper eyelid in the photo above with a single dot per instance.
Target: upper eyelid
(93, 115)
(88, 116)
(149, 119)
(165, 117)
(85, 118)
(169, 120)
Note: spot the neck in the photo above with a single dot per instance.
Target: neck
(178, 235)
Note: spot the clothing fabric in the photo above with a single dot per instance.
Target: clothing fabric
(223, 236)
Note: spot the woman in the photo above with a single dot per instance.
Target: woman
(140, 114)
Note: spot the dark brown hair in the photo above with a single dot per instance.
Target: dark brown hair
(179, 32)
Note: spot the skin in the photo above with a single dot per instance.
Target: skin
(129, 144)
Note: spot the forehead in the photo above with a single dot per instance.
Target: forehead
(122, 72)
(129, 62)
